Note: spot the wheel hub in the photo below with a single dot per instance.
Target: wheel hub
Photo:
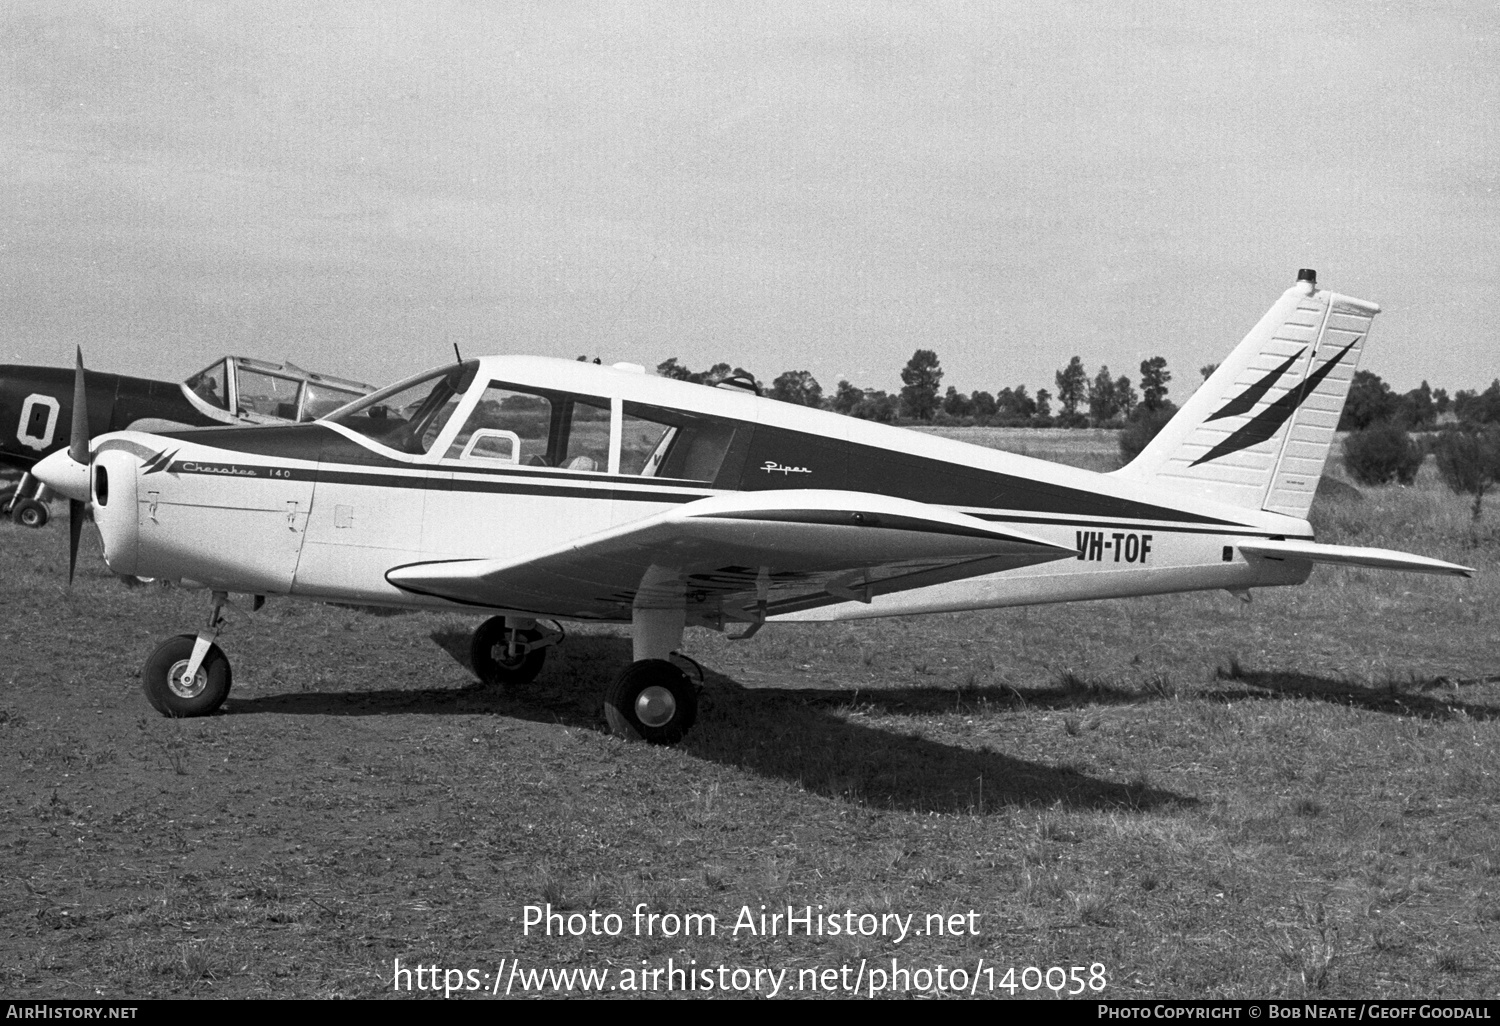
(655, 706)
(502, 655)
(181, 685)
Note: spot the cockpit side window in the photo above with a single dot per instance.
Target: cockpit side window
(210, 385)
(408, 417)
(535, 428)
(506, 426)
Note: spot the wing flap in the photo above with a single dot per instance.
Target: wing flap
(729, 553)
(1348, 555)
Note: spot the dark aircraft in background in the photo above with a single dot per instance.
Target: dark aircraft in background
(36, 407)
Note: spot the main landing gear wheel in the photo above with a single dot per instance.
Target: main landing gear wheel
(30, 513)
(653, 700)
(492, 659)
(168, 689)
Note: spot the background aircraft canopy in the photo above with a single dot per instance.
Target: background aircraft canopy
(261, 391)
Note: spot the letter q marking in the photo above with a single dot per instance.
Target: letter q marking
(33, 418)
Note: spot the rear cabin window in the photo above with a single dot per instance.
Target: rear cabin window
(657, 442)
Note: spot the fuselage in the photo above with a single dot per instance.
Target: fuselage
(528, 454)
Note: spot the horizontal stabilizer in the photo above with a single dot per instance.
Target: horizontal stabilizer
(733, 552)
(1377, 559)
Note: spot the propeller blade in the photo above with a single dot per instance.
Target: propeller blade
(78, 451)
(75, 534)
(78, 442)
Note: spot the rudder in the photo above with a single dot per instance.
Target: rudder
(1258, 432)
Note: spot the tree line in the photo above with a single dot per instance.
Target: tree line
(1378, 446)
(1381, 448)
(1102, 400)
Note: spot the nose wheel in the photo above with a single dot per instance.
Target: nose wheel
(178, 685)
(501, 653)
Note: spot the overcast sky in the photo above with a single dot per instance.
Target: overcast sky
(825, 187)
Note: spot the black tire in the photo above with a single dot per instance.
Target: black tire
(209, 689)
(491, 662)
(30, 513)
(653, 700)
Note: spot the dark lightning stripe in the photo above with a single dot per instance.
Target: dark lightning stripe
(1269, 420)
(1246, 400)
(159, 462)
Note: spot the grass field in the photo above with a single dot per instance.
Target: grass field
(1206, 799)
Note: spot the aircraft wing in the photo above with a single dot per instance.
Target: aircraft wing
(1348, 555)
(741, 557)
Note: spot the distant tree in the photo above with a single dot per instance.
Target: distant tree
(1207, 370)
(956, 404)
(799, 388)
(878, 406)
(1469, 463)
(1440, 401)
(921, 376)
(983, 404)
(670, 368)
(1102, 402)
(1461, 400)
(846, 398)
(1016, 405)
(1025, 406)
(1143, 426)
(1154, 378)
(1370, 401)
(1478, 407)
(1416, 408)
(1072, 387)
(1125, 397)
(1043, 404)
(1382, 453)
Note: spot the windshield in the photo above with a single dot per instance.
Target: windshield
(408, 415)
(209, 384)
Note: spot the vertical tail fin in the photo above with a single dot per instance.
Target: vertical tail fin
(1258, 432)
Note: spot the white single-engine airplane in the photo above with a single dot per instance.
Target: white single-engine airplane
(541, 489)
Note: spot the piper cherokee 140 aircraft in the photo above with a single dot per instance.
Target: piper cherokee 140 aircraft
(35, 401)
(543, 490)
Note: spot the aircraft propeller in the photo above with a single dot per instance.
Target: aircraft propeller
(66, 471)
(78, 452)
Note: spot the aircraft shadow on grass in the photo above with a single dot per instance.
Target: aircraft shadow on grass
(787, 733)
(1430, 699)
